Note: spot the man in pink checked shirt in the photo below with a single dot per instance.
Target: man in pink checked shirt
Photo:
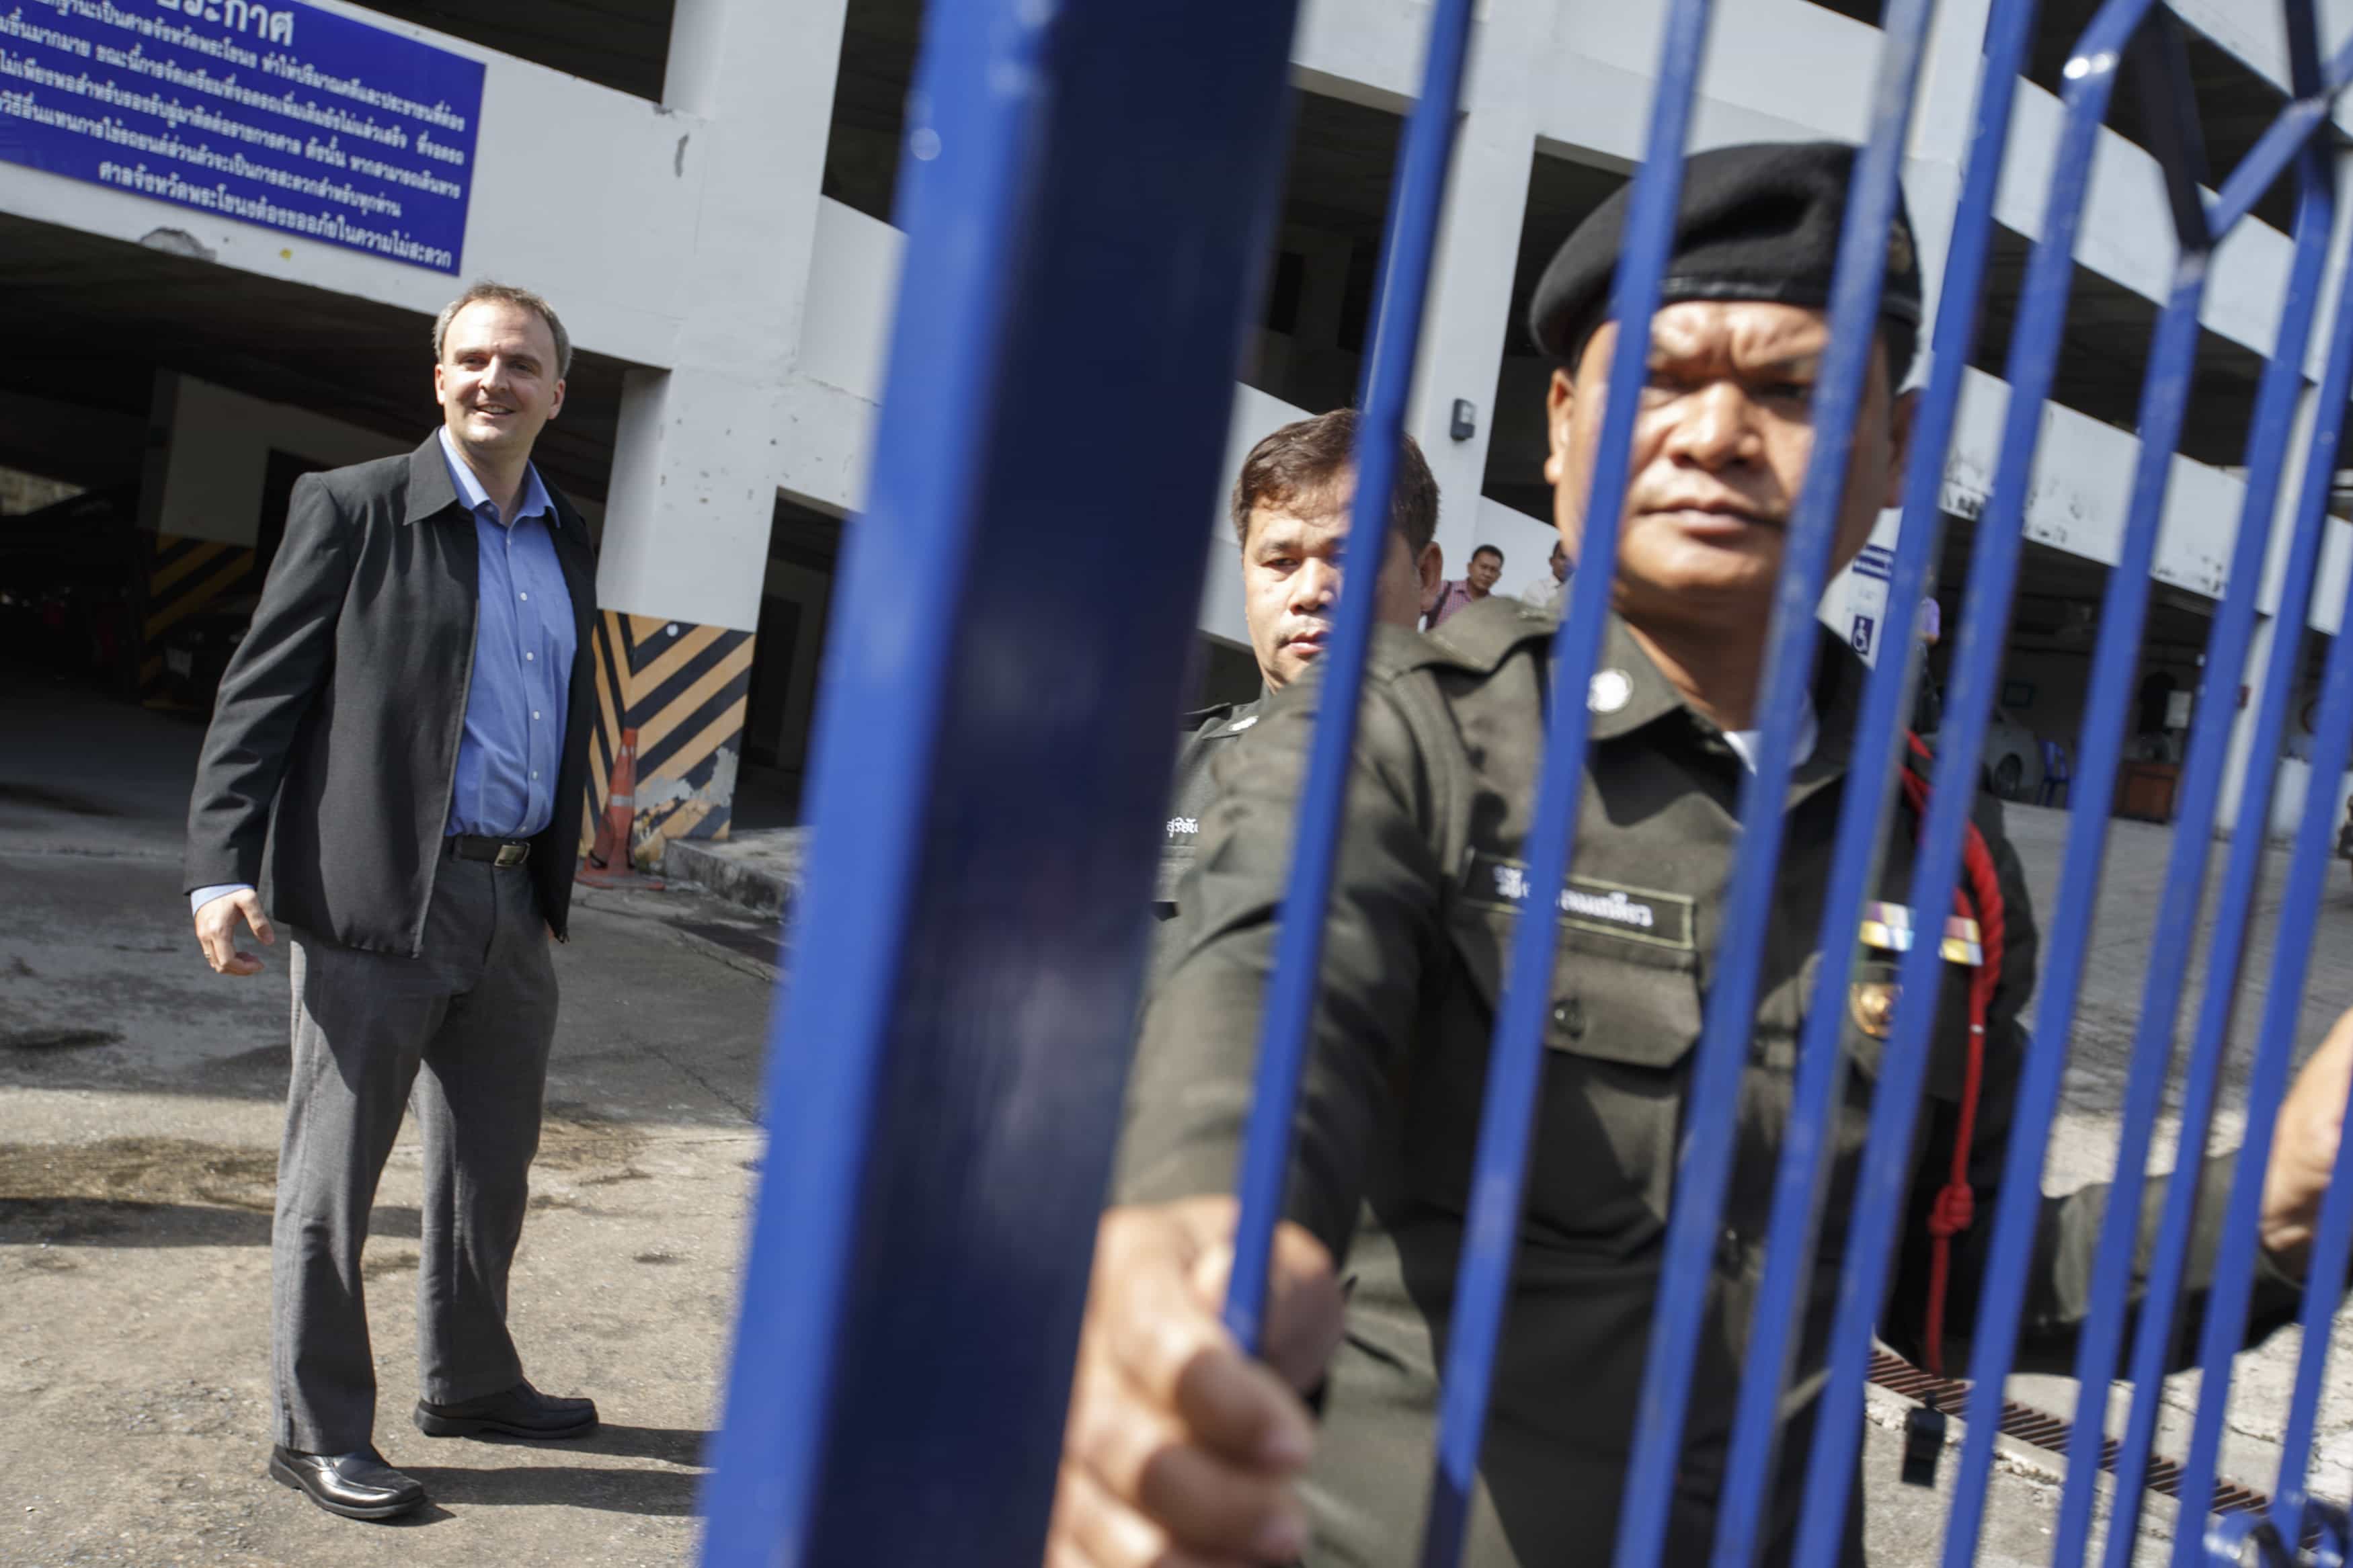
(1477, 581)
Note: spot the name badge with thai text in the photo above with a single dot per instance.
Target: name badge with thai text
(1638, 914)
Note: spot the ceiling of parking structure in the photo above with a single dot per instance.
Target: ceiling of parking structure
(621, 44)
(1342, 158)
(879, 43)
(2057, 605)
(1560, 194)
(2235, 104)
(2105, 353)
(88, 320)
(1341, 153)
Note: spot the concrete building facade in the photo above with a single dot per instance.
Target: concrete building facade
(702, 188)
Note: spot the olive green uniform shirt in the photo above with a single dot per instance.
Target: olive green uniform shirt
(1419, 922)
(1208, 731)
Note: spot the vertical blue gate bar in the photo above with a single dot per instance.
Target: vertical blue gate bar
(1883, 1184)
(2171, 112)
(2234, 1264)
(1881, 727)
(2153, 1045)
(1089, 189)
(1507, 1106)
(2332, 741)
(1791, 1234)
(2224, 1324)
(2332, 1247)
(1416, 203)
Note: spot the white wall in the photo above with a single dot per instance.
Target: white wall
(2080, 491)
(218, 458)
(853, 283)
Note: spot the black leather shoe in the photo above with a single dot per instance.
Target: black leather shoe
(522, 1411)
(357, 1486)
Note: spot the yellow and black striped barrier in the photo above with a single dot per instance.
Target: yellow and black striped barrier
(685, 688)
(182, 576)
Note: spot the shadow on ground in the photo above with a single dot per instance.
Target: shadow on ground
(668, 1494)
(118, 1223)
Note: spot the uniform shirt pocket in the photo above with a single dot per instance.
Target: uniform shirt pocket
(1613, 998)
(1623, 1018)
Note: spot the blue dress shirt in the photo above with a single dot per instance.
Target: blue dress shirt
(524, 638)
(523, 642)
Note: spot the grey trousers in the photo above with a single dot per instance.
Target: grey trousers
(476, 1012)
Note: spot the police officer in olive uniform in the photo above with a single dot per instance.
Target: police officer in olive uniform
(1291, 518)
(1179, 1448)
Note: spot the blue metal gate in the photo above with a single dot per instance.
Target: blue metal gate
(1089, 184)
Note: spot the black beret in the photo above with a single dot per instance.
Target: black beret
(1759, 222)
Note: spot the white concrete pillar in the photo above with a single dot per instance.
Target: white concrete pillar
(2224, 685)
(696, 461)
(1465, 332)
(1941, 119)
(694, 467)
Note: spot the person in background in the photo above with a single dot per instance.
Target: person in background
(1545, 592)
(1291, 507)
(1478, 580)
(404, 728)
(1927, 699)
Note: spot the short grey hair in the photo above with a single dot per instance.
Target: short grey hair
(506, 294)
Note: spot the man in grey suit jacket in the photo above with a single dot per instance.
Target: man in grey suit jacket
(394, 771)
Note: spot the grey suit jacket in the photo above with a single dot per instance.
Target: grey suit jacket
(326, 775)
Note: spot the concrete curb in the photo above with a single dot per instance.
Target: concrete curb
(760, 870)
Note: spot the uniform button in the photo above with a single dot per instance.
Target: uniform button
(525, 597)
(1729, 1251)
(534, 713)
(535, 773)
(529, 656)
(1570, 1016)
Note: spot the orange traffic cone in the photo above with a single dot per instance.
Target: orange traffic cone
(610, 863)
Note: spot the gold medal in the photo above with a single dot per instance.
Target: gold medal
(1873, 1004)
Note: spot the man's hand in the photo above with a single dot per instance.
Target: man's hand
(217, 931)
(2303, 1146)
(1180, 1450)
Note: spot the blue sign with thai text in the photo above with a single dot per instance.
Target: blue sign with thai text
(284, 115)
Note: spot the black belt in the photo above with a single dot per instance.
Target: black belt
(497, 851)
